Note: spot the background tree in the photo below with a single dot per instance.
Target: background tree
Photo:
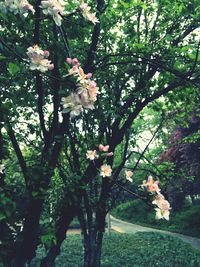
(138, 52)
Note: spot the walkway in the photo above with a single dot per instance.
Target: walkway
(129, 228)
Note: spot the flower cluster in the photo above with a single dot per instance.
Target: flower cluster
(38, 59)
(151, 185)
(128, 175)
(86, 93)
(54, 8)
(16, 7)
(163, 206)
(87, 14)
(92, 154)
(105, 169)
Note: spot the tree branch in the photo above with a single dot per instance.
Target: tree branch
(17, 149)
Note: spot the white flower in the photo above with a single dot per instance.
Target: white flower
(2, 168)
(128, 175)
(105, 170)
(38, 59)
(86, 92)
(87, 14)
(162, 214)
(16, 7)
(54, 8)
(72, 104)
(92, 154)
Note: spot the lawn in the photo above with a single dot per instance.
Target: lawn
(185, 221)
(138, 250)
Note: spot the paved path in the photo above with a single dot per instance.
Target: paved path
(129, 228)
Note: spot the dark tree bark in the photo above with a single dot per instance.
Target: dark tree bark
(92, 242)
(26, 250)
(66, 216)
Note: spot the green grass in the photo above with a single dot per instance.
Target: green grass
(139, 250)
(186, 221)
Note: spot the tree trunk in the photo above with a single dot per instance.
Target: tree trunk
(67, 215)
(92, 249)
(27, 244)
(98, 249)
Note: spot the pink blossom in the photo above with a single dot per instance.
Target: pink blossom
(93, 84)
(88, 76)
(69, 60)
(38, 59)
(93, 93)
(73, 71)
(163, 207)
(87, 90)
(84, 97)
(75, 61)
(110, 154)
(51, 66)
(28, 7)
(46, 53)
(103, 148)
(151, 185)
(75, 68)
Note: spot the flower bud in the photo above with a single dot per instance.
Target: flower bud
(88, 76)
(46, 53)
(51, 66)
(75, 61)
(69, 60)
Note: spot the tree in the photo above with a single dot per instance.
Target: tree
(138, 52)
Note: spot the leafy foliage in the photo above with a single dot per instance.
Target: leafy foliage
(139, 52)
(185, 221)
(142, 249)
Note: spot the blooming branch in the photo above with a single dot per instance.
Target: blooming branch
(38, 59)
(151, 185)
(86, 93)
(163, 206)
(16, 7)
(162, 212)
(54, 8)
(87, 14)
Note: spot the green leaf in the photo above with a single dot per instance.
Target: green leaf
(2, 57)
(13, 69)
(2, 216)
(35, 194)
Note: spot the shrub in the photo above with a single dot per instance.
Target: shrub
(139, 250)
(185, 221)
